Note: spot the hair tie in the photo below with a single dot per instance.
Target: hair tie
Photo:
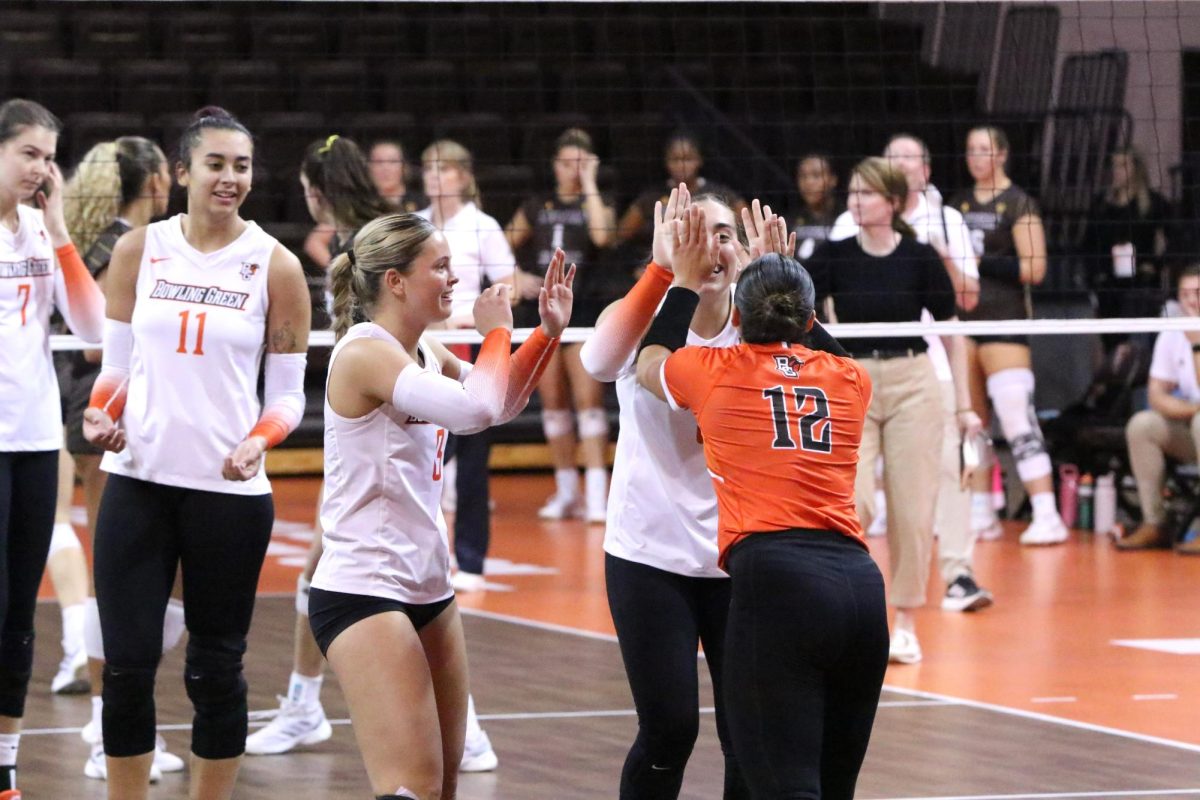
(350, 255)
(328, 144)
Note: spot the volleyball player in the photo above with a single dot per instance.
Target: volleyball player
(39, 269)
(381, 604)
(193, 302)
(806, 639)
(1007, 234)
(883, 274)
(577, 218)
(340, 194)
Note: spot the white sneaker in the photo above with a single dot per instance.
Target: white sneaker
(467, 582)
(449, 500)
(163, 760)
(986, 525)
(292, 725)
(1047, 530)
(91, 733)
(904, 648)
(561, 507)
(67, 680)
(596, 514)
(478, 755)
(97, 768)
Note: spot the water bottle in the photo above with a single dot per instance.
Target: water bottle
(1105, 512)
(999, 499)
(1084, 507)
(1068, 486)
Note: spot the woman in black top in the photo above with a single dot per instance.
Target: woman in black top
(578, 219)
(1006, 231)
(1126, 238)
(884, 275)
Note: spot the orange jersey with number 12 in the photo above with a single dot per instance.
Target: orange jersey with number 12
(199, 333)
(781, 426)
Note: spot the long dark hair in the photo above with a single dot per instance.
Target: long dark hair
(775, 298)
(338, 168)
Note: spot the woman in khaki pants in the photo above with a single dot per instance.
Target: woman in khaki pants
(884, 275)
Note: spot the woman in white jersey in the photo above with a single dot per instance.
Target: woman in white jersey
(39, 269)
(381, 603)
(665, 590)
(193, 302)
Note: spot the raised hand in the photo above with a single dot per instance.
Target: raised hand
(50, 202)
(243, 463)
(695, 251)
(589, 168)
(556, 298)
(766, 232)
(493, 309)
(665, 219)
(100, 430)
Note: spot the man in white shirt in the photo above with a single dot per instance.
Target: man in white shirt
(1171, 426)
(945, 231)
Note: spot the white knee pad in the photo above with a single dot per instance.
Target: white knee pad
(1011, 391)
(173, 624)
(302, 584)
(62, 538)
(93, 643)
(593, 423)
(557, 422)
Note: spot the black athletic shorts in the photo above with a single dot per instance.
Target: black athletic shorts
(330, 613)
(1006, 339)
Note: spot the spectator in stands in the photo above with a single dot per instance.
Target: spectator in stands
(1010, 243)
(817, 183)
(1171, 426)
(578, 219)
(1126, 239)
(683, 161)
(943, 229)
(883, 274)
(389, 171)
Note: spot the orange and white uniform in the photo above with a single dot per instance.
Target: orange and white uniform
(199, 333)
(775, 417)
(384, 531)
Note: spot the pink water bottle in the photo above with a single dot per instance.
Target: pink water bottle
(1068, 488)
(999, 499)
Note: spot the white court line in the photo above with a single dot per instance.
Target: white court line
(1057, 795)
(526, 715)
(1053, 699)
(1156, 697)
(1014, 712)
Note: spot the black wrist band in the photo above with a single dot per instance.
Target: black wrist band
(670, 326)
(1001, 268)
(820, 339)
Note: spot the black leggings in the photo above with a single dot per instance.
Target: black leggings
(143, 531)
(660, 618)
(807, 647)
(28, 491)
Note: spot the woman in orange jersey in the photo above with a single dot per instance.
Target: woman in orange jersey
(806, 642)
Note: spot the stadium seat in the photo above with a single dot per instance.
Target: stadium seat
(599, 87)
(82, 130)
(720, 38)
(247, 87)
(485, 135)
(421, 88)
(507, 87)
(332, 87)
(503, 188)
(65, 85)
(465, 37)
(634, 149)
(111, 34)
(31, 34)
(391, 35)
(148, 87)
(5, 78)
(203, 36)
(283, 136)
(290, 36)
(626, 37)
(370, 127)
(549, 39)
(166, 129)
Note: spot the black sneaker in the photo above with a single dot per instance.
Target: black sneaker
(965, 595)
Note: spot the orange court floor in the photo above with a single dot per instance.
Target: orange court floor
(1079, 632)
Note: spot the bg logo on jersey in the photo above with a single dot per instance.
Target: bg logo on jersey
(202, 295)
(248, 270)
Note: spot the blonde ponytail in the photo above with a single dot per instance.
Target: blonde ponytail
(92, 197)
(341, 278)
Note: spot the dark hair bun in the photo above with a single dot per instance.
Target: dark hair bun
(212, 111)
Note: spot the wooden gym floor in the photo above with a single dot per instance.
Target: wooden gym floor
(1081, 682)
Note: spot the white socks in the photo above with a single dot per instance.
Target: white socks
(595, 481)
(304, 690)
(73, 618)
(566, 483)
(1044, 505)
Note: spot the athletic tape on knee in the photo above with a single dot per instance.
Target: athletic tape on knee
(173, 624)
(557, 422)
(93, 641)
(593, 423)
(302, 585)
(16, 665)
(1011, 391)
(62, 538)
